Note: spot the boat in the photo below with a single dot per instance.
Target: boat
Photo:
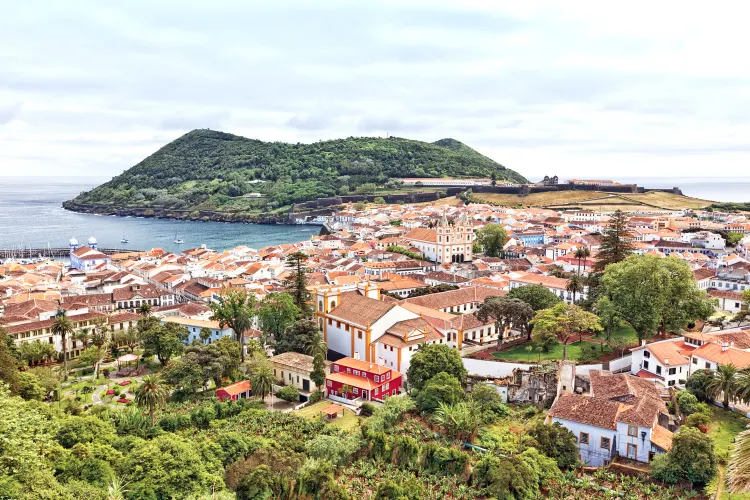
(124, 239)
(178, 240)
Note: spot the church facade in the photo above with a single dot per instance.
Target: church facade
(446, 243)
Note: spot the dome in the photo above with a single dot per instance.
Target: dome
(92, 241)
(73, 241)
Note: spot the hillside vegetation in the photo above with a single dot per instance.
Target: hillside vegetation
(210, 170)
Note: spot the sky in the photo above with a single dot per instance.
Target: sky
(574, 89)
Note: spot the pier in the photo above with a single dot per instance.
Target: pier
(34, 253)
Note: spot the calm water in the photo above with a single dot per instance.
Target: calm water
(707, 188)
(31, 215)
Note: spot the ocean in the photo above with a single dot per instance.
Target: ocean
(31, 216)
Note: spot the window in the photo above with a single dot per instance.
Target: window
(604, 443)
(708, 365)
(632, 431)
(348, 370)
(695, 361)
(346, 327)
(658, 370)
(338, 324)
(646, 354)
(377, 379)
(673, 371)
(670, 383)
(335, 368)
(584, 438)
(359, 335)
(356, 372)
(388, 375)
(328, 383)
(645, 365)
(356, 390)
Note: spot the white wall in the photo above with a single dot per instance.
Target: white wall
(591, 454)
(486, 368)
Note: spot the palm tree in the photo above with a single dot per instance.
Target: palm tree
(315, 345)
(738, 471)
(723, 380)
(742, 386)
(64, 328)
(83, 336)
(116, 489)
(262, 380)
(99, 338)
(150, 395)
(144, 309)
(574, 285)
(235, 310)
(205, 334)
(581, 253)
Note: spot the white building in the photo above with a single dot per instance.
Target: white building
(194, 327)
(666, 362)
(558, 286)
(620, 416)
(86, 258)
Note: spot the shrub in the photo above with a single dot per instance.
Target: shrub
(442, 388)
(691, 458)
(288, 393)
(411, 489)
(556, 442)
(700, 420)
(367, 409)
(687, 402)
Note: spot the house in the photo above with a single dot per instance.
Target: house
(620, 415)
(293, 368)
(352, 378)
(194, 327)
(666, 362)
(233, 392)
(134, 296)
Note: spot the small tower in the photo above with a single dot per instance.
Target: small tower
(73, 245)
(92, 243)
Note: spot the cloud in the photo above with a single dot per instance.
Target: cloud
(583, 89)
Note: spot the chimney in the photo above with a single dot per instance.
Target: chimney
(643, 343)
(666, 361)
(356, 355)
(731, 344)
(724, 347)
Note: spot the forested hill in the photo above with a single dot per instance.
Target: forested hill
(209, 170)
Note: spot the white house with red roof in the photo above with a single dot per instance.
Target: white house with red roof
(86, 258)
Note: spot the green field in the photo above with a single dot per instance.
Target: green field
(522, 354)
(725, 425)
(349, 422)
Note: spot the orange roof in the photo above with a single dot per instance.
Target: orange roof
(731, 356)
(365, 366)
(670, 353)
(237, 387)
(662, 437)
(332, 409)
(353, 380)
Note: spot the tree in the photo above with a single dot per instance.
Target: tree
(29, 387)
(296, 283)
(738, 470)
(276, 313)
(723, 381)
(746, 296)
(297, 337)
(506, 312)
(315, 345)
(691, 458)
(565, 321)
(733, 238)
(379, 200)
(537, 296)
(608, 315)
(619, 344)
(574, 285)
(262, 380)
(63, 328)
(168, 466)
(144, 309)
(431, 359)
(235, 310)
(205, 334)
(288, 393)
(150, 395)
(556, 442)
(656, 295)
(36, 352)
(130, 338)
(318, 374)
(442, 388)
(99, 339)
(492, 237)
(8, 361)
(164, 341)
(581, 253)
(616, 245)
(461, 420)
(185, 377)
(213, 362)
(544, 340)
(698, 383)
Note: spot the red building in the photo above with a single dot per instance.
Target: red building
(365, 380)
(235, 391)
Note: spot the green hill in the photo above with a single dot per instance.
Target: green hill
(209, 170)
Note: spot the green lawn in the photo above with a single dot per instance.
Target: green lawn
(623, 331)
(520, 353)
(349, 422)
(725, 425)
